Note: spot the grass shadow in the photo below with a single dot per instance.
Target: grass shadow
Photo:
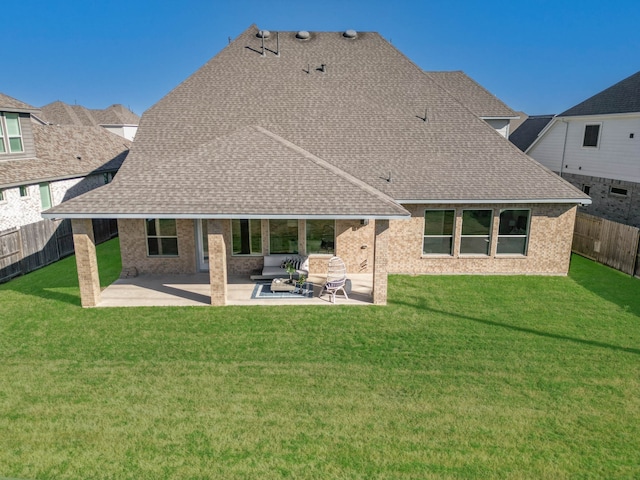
(421, 305)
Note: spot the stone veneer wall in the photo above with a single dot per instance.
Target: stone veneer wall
(617, 208)
(549, 250)
(133, 248)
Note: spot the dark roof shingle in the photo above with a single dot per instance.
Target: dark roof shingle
(623, 97)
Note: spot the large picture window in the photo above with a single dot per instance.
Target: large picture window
(246, 236)
(513, 232)
(438, 232)
(45, 196)
(476, 232)
(283, 236)
(321, 236)
(162, 237)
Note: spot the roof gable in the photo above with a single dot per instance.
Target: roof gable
(12, 104)
(623, 97)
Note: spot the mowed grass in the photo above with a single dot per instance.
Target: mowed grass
(458, 377)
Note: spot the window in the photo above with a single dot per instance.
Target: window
(476, 232)
(438, 232)
(591, 134)
(513, 232)
(618, 191)
(10, 133)
(162, 237)
(586, 189)
(107, 177)
(24, 191)
(246, 236)
(2, 196)
(321, 236)
(283, 236)
(45, 196)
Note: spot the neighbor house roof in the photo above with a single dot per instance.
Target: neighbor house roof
(475, 97)
(60, 113)
(623, 97)
(12, 104)
(64, 151)
(354, 104)
(529, 130)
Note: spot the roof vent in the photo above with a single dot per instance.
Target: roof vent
(351, 34)
(303, 35)
(264, 34)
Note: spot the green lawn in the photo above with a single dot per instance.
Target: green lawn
(458, 377)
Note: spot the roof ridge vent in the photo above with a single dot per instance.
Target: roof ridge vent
(350, 34)
(303, 35)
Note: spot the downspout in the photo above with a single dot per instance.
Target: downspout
(564, 146)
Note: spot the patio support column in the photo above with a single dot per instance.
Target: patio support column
(217, 262)
(86, 261)
(380, 258)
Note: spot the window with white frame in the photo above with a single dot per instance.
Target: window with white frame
(24, 191)
(45, 196)
(2, 199)
(475, 237)
(513, 232)
(246, 236)
(591, 135)
(10, 133)
(438, 232)
(283, 236)
(162, 237)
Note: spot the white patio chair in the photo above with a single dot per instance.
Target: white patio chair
(336, 279)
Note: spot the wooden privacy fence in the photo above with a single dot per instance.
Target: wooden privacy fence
(610, 243)
(33, 246)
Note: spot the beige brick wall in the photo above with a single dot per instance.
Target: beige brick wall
(549, 249)
(133, 247)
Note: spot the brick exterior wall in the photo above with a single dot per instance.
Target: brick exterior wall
(217, 261)
(133, 248)
(549, 250)
(86, 261)
(381, 262)
(614, 207)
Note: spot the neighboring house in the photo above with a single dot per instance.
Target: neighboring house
(317, 143)
(477, 99)
(117, 118)
(528, 131)
(43, 165)
(596, 146)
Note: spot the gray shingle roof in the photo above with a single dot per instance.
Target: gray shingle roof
(623, 97)
(57, 149)
(60, 113)
(363, 115)
(528, 131)
(471, 94)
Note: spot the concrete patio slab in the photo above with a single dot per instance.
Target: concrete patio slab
(193, 290)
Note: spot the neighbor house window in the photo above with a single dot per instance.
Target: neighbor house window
(10, 133)
(591, 134)
(283, 236)
(24, 191)
(2, 196)
(586, 189)
(513, 232)
(45, 196)
(321, 236)
(162, 237)
(618, 191)
(476, 232)
(246, 236)
(107, 177)
(438, 232)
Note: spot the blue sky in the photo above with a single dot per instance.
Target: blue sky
(537, 56)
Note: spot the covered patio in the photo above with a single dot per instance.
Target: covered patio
(195, 290)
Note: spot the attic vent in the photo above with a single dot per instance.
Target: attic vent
(351, 34)
(263, 34)
(303, 35)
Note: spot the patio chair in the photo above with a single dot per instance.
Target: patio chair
(336, 279)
